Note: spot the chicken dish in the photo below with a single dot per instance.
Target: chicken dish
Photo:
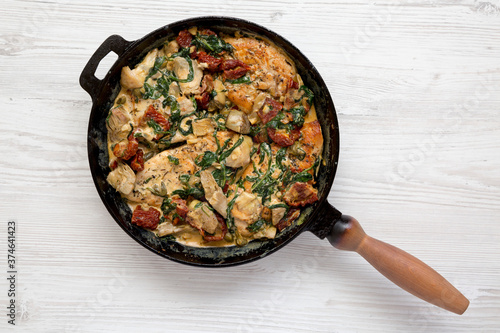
(213, 140)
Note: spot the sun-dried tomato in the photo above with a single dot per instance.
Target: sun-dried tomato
(212, 62)
(292, 84)
(152, 114)
(146, 218)
(125, 150)
(184, 38)
(282, 137)
(292, 215)
(300, 194)
(207, 32)
(137, 163)
(233, 74)
(113, 165)
(234, 68)
(269, 110)
(181, 209)
(203, 100)
(232, 63)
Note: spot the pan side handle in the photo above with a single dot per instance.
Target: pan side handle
(403, 269)
(89, 82)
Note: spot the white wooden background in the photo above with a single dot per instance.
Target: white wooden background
(416, 86)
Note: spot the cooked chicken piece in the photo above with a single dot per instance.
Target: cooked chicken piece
(300, 194)
(311, 142)
(134, 78)
(246, 210)
(203, 126)
(213, 192)
(242, 95)
(201, 216)
(240, 156)
(122, 179)
(270, 69)
(174, 90)
(181, 70)
(185, 105)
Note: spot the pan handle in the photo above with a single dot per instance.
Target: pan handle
(88, 80)
(403, 269)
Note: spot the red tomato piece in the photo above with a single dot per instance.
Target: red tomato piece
(184, 38)
(146, 218)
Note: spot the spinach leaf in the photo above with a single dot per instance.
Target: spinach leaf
(206, 160)
(225, 154)
(280, 205)
(196, 192)
(174, 160)
(156, 67)
(184, 179)
(167, 206)
(168, 238)
(298, 114)
(213, 44)
(280, 156)
(156, 127)
(244, 79)
(308, 93)
(189, 130)
(222, 175)
(230, 218)
(254, 227)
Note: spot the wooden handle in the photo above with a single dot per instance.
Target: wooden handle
(402, 268)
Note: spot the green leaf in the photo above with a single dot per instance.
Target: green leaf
(280, 156)
(168, 238)
(308, 93)
(156, 67)
(184, 179)
(174, 160)
(225, 154)
(167, 206)
(206, 160)
(256, 226)
(213, 44)
(244, 79)
(298, 114)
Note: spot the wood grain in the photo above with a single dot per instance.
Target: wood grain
(415, 85)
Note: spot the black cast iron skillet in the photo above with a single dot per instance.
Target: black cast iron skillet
(322, 219)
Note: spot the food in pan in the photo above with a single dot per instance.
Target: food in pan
(213, 140)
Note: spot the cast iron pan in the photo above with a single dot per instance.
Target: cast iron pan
(344, 232)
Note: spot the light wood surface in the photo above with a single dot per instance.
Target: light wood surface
(416, 86)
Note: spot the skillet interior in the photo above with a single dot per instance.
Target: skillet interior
(98, 155)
